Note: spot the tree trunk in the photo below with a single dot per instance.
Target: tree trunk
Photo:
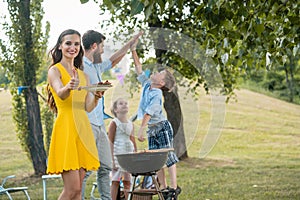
(288, 82)
(174, 114)
(35, 139)
(171, 104)
(292, 81)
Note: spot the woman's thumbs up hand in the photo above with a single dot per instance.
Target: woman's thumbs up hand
(74, 82)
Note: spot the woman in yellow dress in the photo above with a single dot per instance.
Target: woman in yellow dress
(72, 148)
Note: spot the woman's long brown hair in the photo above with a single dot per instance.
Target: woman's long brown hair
(56, 54)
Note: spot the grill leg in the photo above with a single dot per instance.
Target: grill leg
(157, 188)
(132, 188)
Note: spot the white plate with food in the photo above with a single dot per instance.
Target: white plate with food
(97, 87)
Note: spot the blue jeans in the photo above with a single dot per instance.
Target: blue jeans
(104, 153)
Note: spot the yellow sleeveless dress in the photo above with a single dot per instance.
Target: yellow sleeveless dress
(72, 143)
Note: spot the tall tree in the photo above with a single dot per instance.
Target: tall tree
(23, 55)
(230, 37)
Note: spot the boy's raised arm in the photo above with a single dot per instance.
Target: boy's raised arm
(137, 63)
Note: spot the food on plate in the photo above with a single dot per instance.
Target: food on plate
(104, 83)
(101, 86)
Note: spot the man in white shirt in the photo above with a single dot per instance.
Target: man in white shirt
(93, 43)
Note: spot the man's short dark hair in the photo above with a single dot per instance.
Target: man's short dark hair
(90, 37)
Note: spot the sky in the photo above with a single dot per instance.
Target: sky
(65, 14)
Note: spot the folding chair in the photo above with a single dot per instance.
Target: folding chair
(45, 178)
(7, 191)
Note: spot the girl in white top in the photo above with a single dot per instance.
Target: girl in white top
(121, 136)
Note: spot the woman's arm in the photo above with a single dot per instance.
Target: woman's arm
(91, 99)
(137, 63)
(62, 91)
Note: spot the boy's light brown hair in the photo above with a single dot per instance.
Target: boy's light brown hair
(169, 80)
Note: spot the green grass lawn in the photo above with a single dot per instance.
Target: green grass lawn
(256, 157)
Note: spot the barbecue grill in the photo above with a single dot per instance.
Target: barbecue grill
(144, 163)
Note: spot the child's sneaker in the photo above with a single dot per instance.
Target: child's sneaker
(171, 193)
(165, 192)
(178, 190)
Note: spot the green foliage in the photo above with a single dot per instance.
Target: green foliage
(47, 119)
(42, 72)
(20, 119)
(136, 7)
(281, 82)
(256, 75)
(239, 33)
(84, 1)
(274, 81)
(3, 78)
(106, 76)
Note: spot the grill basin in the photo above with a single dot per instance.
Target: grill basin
(144, 162)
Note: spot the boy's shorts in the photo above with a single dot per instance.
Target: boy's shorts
(160, 136)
